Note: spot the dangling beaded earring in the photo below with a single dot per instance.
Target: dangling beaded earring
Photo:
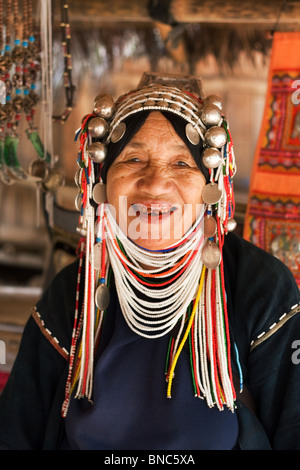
(92, 191)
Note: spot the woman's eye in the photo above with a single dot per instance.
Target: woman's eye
(133, 159)
(182, 163)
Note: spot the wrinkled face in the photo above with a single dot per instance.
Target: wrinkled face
(155, 186)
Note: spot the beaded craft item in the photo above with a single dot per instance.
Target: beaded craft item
(184, 289)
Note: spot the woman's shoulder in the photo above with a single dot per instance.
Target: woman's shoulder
(54, 312)
(260, 287)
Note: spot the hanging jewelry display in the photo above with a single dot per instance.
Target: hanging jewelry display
(22, 63)
(66, 46)
(19, 65)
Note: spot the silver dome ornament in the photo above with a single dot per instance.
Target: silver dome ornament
(118, 132)
(210, 115)
(97, 152)
(192, 134)
(211, 255)
(231, 225)
(211, 194)
(213, 99)
(102, 297)
(99, 193)
(104, 106)
(211, 157)
(216, 136)
(97, 127)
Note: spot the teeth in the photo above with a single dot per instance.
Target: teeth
(148, 210)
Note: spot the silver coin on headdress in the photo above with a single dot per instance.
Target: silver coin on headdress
(118, 132)
(192, 134)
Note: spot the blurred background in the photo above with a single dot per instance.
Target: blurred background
(97, 46)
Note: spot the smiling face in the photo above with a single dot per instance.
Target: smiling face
(155, 186)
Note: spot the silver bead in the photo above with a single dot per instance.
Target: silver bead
(98, 127)
(231, 225)
(216, 136)
(211, 255)
(213, 99)
(97, 152)
(104, 106)
(211, 157)
(210, 115)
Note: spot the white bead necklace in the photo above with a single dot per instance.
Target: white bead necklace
(159, 311)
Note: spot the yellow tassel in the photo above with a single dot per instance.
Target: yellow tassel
(171, 373)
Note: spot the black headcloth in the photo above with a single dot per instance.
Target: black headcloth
(134, 122)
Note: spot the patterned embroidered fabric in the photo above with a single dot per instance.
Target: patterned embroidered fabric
(273, 214)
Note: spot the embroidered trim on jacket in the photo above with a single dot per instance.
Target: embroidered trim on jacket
(275, 327)
(52, 339)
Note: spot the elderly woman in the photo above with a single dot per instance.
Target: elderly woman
(169, 332)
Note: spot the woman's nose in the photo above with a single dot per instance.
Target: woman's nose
(154, 180)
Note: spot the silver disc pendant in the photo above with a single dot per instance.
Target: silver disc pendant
(77, 177)
(192, 134)
(210, 227)
(78, 201)
(97, 255)
(99, 193)
(102, 297)
(211, 255)
(211, 194)
(118, 132)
